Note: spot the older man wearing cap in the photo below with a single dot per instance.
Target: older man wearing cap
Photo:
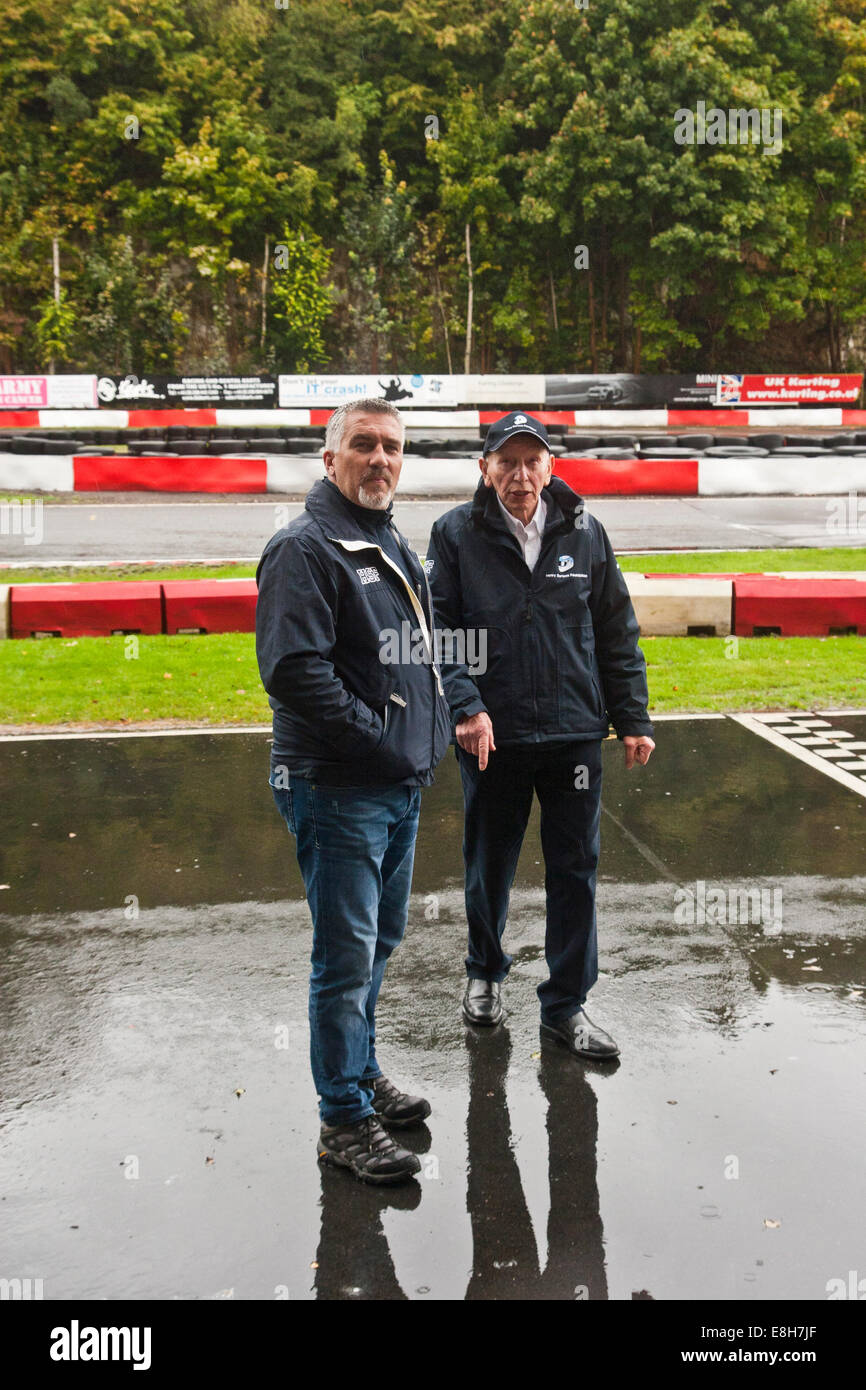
(526, 563)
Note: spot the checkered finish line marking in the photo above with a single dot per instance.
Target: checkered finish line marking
(817, 742)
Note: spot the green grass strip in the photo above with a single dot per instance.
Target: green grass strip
(65, 574)
(747, 561)
(215, 680)
(698, 562)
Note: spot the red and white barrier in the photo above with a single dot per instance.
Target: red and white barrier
(629, 477)
(37, 473)
(168, 473)
(431, 477)
(827, 475)
(225, 417)
(665, 605)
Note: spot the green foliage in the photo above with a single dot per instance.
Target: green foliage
(55, 327)
(164, 141)
(300, 300)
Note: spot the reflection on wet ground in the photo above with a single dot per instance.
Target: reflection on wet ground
(159, 1121)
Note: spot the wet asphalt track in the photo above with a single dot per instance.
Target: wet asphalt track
(131, 1169)
(143, 529)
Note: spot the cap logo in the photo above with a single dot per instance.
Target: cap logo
(520, 419)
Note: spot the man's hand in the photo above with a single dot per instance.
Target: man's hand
(475, 736)
(637, 749)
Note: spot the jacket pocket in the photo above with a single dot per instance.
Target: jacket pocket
(496, 654)
(581, 701)
(396, 751)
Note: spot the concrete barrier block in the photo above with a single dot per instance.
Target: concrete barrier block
(669, 607)
(210, 605)
(85, 610)
(798, 607)
(5, 626)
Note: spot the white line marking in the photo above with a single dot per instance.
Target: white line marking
(657, 718)
(219, 729)
(764, 730)
(746, 719)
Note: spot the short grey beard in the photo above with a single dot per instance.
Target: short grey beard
(375, 500)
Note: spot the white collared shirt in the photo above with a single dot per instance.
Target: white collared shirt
(529, 536)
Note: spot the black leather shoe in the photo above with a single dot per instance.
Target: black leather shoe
(582, 1037)
(481, 1002)
(367, 1151)
(394, 1107)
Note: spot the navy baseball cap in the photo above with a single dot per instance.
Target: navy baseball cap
(517, 422)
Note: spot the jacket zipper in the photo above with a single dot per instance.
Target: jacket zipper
(418, 609)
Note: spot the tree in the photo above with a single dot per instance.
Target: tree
(300, 301)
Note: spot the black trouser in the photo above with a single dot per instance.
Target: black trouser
(567, 780)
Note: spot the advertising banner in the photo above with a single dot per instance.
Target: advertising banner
(416, 391)
(178, 391)
(623, 389)
(699, 391)
(781, 390)
(48, 392)
(499, 389)
(412, 390)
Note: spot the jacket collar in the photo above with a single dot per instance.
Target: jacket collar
(344, 519)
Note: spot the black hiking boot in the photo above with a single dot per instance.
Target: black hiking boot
(394, 1107)
(367, 1151)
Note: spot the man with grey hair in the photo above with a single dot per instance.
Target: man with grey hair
(356, 735)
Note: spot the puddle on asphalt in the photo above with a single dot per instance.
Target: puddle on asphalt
(155, 950)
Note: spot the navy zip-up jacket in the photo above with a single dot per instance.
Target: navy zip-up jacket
(342, 652)
(562, 659)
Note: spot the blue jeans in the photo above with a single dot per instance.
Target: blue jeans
(355, 847)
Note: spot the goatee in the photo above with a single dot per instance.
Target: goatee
(376, 500)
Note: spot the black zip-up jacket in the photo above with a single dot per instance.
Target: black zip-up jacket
(331, 604)
(562, 660)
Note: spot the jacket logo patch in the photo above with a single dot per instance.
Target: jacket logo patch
(565, 562)
(369, 575)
